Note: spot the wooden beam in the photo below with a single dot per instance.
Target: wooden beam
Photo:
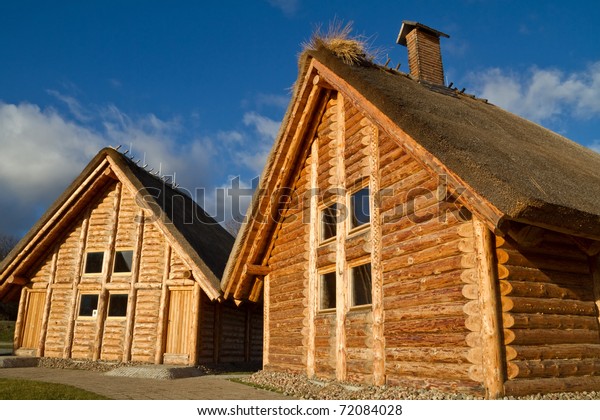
(20, 319)
(248, 334)
(256, 270)
(376, 263)
(595, 268)
(473, 201)
(218, 328)
(107, 268)
(313, 244)
(266, 319)
(132, 296)
(161, 327)
(72, 206)
(74, 295)
(341, 271)
(47, 304)
(257, 289)
(18, 280)
(494, 366)
(322, 83)
(193, 338)
(526, 235)
(590, 247)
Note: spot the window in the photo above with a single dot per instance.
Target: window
(94, 262)
(327, 291)
(123, 261)
(329, 222)
(360, 283)
(117, 305)
(88, 305)
(359, 208)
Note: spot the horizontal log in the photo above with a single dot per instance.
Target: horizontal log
(433, 325)
(548, 306)
(467, 386)
(405, 242)
(430, 369)
(436, 296)
(550, 290)
(425, 311)
(544, 321)
(565, 265)
(523, 337)
(439, 281)
(425, 340)
(390, 161)
(520, 387)
(517, 273)
(556, 368)
(436, 252)
(547, 249)
(406, 177)
(556, 351)
(427, 354)
(427, 269)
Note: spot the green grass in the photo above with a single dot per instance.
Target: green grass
(7, 330)
(21, 389)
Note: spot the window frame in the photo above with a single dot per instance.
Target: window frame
(122, 273)
(322, 273)
(92, 316)
(108, 306)
(85, 262)
(349, 220)
(351, 267)
(321, 213)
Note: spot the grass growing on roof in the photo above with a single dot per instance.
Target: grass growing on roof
(350, 49)
(21, 389)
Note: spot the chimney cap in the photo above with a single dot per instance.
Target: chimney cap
(408, 26)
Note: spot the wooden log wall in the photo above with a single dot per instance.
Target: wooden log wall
(145, 326)
(230, 334)
(326, 339)
(288, 283)
(549, 314)
(110, 223)
(427, 251)
(358, 132)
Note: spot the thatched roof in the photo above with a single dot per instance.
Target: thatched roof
(520, 170)
(528, 172)
(206, 243)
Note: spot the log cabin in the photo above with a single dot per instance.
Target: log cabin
(125, 267)
(406, 233)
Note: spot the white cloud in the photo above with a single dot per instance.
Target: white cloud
(266, 99)
(255, 157)
(288, 7)
(542, 94)
(42, 151)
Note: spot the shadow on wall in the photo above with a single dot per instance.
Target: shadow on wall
(8, 311)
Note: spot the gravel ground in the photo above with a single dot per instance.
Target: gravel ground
(301, 387)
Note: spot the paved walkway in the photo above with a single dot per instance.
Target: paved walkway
(210, 387)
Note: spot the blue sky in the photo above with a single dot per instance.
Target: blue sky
(199, 88)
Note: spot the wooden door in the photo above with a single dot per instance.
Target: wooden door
(34, 312)
(179, 327)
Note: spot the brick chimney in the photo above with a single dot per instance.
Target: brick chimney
(424, 54)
